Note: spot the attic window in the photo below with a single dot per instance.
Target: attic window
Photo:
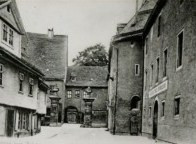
(9, 9)
(73, 78)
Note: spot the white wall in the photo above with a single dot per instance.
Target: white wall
(2, 119)
(41, 103)
(16, 48)
(9, 91)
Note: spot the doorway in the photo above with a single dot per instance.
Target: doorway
(71, 114)
(10, 123)
(155, 120)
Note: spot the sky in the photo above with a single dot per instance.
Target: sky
(86, 22)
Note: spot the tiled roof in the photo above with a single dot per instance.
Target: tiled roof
(8, 55)
(93, 76)
(48, 54)
(139, 20)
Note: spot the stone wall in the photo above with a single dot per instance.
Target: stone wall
(126, 83)
(181, 81)
(99, 105)
(61, 93)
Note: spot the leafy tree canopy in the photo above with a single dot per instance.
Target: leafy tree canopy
(92, 56)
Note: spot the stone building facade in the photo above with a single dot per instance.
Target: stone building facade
(126, 74)
(22, 90)
(168, 37)
(79, 78)
(169, 65)
(49, 52)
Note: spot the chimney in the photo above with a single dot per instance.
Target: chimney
(120, 27)
(50, 33)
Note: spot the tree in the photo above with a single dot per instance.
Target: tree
(92, 56)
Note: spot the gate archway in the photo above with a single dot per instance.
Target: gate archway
(71, 114)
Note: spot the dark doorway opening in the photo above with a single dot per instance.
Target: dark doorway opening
(155, 120)
(135, 102)
(71, 115)
(10, 123)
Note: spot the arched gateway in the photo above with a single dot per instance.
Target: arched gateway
(71, 114)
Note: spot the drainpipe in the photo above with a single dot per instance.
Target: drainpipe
(116, 95)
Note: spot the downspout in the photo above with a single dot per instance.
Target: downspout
(116, 95)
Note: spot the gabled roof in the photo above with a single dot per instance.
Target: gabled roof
(93, 76)
(137, 23)
(17, 24)
(48, 54)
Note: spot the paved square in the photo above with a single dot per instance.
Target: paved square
(73, 134)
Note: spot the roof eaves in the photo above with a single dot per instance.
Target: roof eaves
(159, 5)
(128, 35)
(22, 62)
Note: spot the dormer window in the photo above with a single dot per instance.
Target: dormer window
(9, 8)
(73, 77)
(5, 32)
(8, 35)
(11, 37)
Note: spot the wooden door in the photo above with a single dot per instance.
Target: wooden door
(71, 118)
(10, 123)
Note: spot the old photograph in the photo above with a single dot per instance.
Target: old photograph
(97, 71)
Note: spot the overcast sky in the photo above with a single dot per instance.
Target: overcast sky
(86, 22)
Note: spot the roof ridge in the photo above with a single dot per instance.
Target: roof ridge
(46, 34)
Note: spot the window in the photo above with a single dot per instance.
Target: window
(151, 34)
(150, 112)
(146, 45)
(23, 121)
(146, 79)
(181, 1)
(8, 35)
(165, 63)
(157, 75)
(21, 79)
(73, 78)
(5, 32)
(11, 37)
(1, 74)
(69, 94)
(31, 83)
(77, 93)
(9, 8)
(177, 106)
(152, 70)
(85, 94)
(159, 26)
(179, 49)
(163, 109)
(137, 69)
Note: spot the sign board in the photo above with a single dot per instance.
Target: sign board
(158, 89)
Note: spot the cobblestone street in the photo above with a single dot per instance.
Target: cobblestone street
(73, 134)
